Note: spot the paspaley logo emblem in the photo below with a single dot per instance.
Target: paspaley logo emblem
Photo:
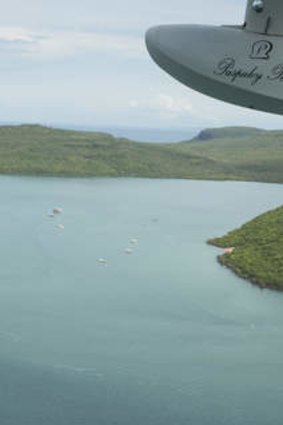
(261, 50)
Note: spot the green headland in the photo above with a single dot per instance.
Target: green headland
(255, 251)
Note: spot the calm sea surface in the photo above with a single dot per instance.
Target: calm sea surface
(159, 336)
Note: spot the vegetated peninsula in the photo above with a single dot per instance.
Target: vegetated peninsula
(231, 153)
(255, 251)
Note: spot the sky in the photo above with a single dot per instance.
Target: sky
(84, 62)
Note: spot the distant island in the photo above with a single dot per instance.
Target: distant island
(231, 153)
(255, 251)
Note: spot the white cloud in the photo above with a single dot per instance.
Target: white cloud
(163, 103)
(171, 104)
(63, 44)
(15, 35)
(162, 108)
(123, 14)
(47, 45)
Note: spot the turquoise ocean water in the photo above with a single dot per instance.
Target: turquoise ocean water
(159, 336)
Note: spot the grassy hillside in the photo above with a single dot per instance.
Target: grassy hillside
(45, 151)
(229, 153)
(258, 250)
(257, 157)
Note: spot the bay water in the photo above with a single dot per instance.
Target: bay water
(116, 311)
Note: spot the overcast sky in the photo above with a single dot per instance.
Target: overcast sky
(84, 62)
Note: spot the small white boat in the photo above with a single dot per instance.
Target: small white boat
(57, 210)
(128, 251)
(101, 261)
(60, 226)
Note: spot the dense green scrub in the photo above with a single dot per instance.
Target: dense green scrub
(254, 156)
(46, 151)
(230, 153)
(258, 250)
